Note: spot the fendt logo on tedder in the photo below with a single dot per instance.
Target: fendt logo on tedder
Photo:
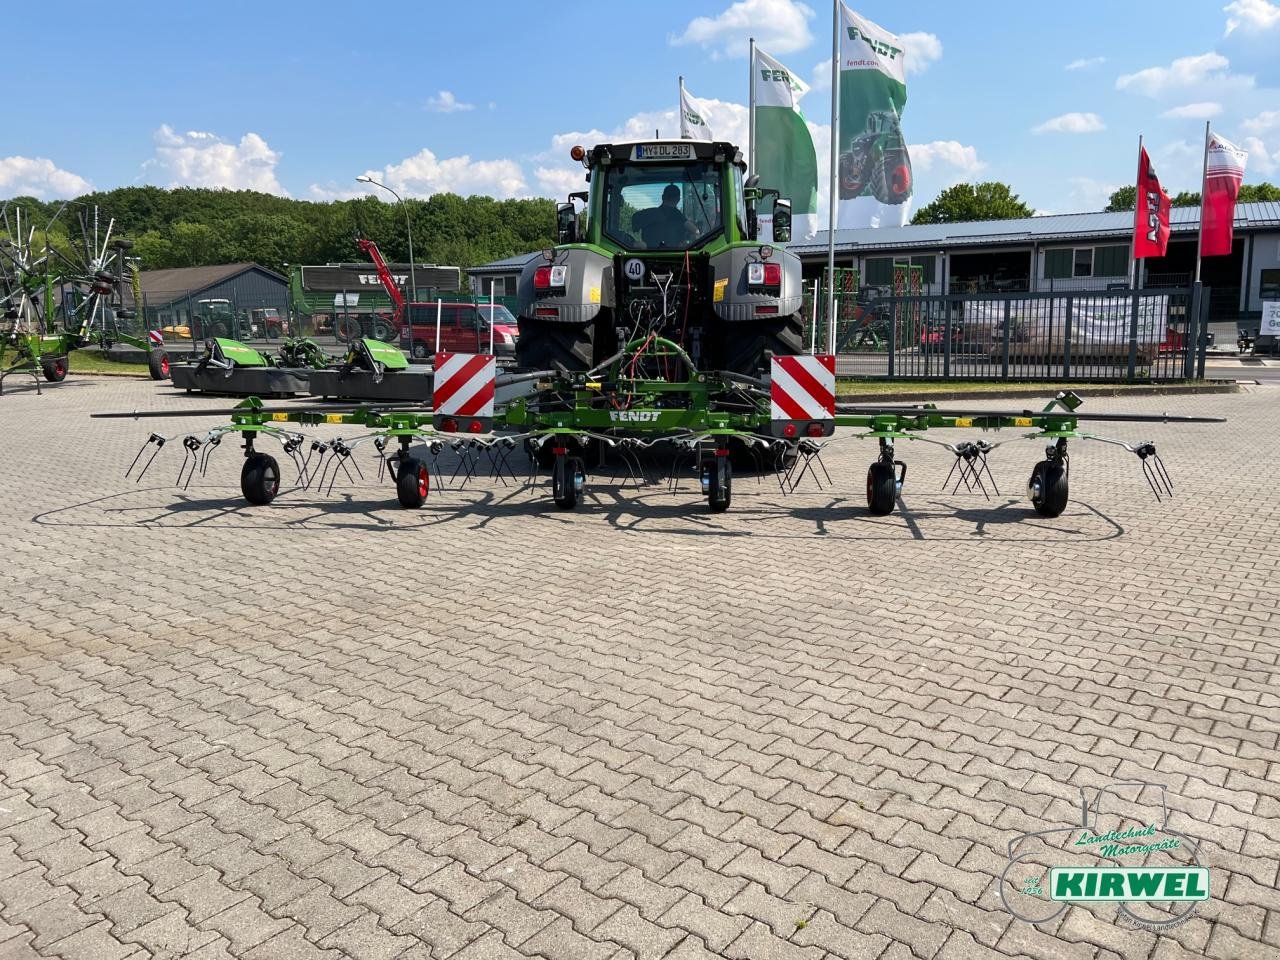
(879, 46)
(1096, 884)
(633, 416)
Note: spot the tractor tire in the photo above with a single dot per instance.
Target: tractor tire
(1047, 489)
(746, 346)
(54, 369)
(421, 350)
(260, 479)
(567, 347)
(158, 364)
(381, 329)
(413, 483)
(347, 330)
(882, 488)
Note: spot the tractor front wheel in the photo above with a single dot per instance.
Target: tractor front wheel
(54, 369)
(260, 479)
(413, 483)
(158, 364)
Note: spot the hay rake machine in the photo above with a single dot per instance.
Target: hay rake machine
(61, 289)
(648, 397)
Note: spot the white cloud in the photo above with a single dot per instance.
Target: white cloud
(425, 174)
(199, 159)
(446, 102)
(1194, 111)
(1084, 63)
(779, 26)
(1264, 122)
(40, 178)
(946, 156)
(1180, 163)
(1072, 123)
(559, 182)
(1088, 194)
(1261, 160)
(1199, 71)
(821, 75)
(921, 49)
(1253, 14)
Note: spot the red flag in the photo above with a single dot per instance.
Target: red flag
(1223, 171)
(1151, 213)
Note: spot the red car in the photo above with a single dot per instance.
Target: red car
(464, 328)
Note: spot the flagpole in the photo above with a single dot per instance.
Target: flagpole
(680, 108)
(1204, 176)
(1133, 240)
(833, 198)
(751, 106)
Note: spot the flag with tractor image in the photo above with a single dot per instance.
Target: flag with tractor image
(785, 159)
(874, 170)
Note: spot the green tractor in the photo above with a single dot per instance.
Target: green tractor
(876, 162)
(665, 248)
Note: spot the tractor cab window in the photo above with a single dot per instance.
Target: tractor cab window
(667, 207)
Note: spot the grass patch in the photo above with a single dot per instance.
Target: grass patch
(873, 388)
(92, 361)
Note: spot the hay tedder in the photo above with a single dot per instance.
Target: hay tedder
(648, 399)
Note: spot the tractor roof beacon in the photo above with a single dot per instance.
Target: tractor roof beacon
(667, 248)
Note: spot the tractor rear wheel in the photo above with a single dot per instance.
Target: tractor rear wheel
(413, 483)
(158, 364)
(260, 479)
(746, 346)
(54, 369)
(568, 347)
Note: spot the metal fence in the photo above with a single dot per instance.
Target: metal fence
(1104, 335)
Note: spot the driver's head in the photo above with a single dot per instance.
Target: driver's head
(671, 195)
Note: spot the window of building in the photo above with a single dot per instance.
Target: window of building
(879, 272)
(1112, 261)
(1083, 262)
(1057, 263)
(1063, 262)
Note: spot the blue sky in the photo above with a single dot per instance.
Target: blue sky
(301, 98)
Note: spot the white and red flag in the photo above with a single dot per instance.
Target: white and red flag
(1223, 171)
(1151, 212)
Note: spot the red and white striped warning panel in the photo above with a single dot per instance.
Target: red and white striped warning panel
(156, 338)
(802, 394)
(462, 392)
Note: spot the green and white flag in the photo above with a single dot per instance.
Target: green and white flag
(693, 117)
(784, 157)
(874, 170)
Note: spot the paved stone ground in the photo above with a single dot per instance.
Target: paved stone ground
(489, 729)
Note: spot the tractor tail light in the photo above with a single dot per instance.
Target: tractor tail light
(772, 274)
(550, 277)
(766, 274)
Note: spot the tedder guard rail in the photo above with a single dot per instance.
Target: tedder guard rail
(649, 394)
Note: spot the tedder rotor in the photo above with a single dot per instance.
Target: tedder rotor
(649, 397)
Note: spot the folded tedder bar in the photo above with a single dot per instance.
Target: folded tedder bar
(648, 396)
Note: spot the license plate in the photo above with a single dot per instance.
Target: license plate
(662, 151)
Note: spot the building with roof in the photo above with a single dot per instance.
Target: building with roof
(169, 297)
(500, 276)
(1086, 251)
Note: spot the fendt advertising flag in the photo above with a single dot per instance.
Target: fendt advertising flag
(1151, 212)
(1223, 170)
(693, 119)
(874, 180)
(784, 155)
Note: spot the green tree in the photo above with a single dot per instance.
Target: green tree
(1123, 199)
(967, 201)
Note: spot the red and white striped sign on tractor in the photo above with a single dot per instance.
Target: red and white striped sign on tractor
(462, 392)
(802, 395)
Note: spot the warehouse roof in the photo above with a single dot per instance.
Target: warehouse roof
(505, 265)
(195, 279)
(1025, 230)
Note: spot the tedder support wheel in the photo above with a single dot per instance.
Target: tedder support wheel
(567, 477)
(54, 369)
(1047, 488)
(882, 488)
(260, 479)
(413, 483)
(158, 364)
(719, 483)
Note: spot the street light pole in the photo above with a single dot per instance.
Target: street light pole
(413, 278)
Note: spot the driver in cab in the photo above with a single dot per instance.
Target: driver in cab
(665, 225)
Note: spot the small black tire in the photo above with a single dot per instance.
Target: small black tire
(413, 483)
(421, 350)
(720, 490)
(158, 364)
(54, 369)
(1047, 489)
(563, 488)
(882, 488)
(260, 479)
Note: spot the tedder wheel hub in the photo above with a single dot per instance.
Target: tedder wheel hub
(260, 478)
(882, 488)
(717, 481)
(55, 370)
(413, 483)
(568, 477)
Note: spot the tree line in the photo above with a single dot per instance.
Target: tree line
(192, 227)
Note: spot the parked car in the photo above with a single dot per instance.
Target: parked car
(267, 321)
(464, 328)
